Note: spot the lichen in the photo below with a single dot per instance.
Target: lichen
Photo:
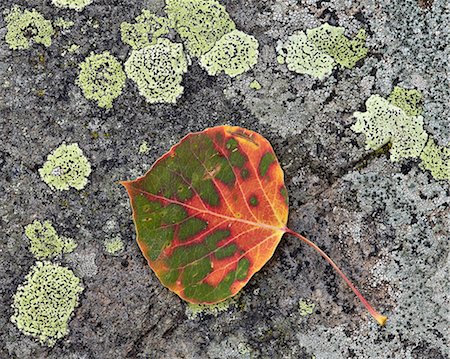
(44, 303)
(158, 71)
(303, 57)
(436, 159)
(332, 41)
(66, 167)
(143, 148)
(193, 311)
(146, 25)
(234, 53)
(101, 78)
(384, 122)
(200, 23)
(77, 5)
(409, 101)
(114, 246)
(255, 85)
(25, 26)
(305, 307)
(317, 51)
(45, 242)
(63, 23)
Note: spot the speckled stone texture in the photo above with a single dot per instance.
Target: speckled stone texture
(386, 224)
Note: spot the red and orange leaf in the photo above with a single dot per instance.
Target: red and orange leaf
(210, 212)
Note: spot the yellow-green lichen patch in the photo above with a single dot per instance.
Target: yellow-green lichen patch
(409, 101)
(25, 26)
(77, 5)
(436, 159)
(305, 307)
(234, 53)
(143, 148)
(147, 28)
(63, 24)
(114, 245)
(303, 57)
(66, 167)
(332, 41)
(255, 85)
(101, 78)
(194, 311)
(383, 123)
(158, 71)
(200, 23)
(45, 242)
(44, 303)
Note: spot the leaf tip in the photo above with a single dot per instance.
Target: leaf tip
(381, 319)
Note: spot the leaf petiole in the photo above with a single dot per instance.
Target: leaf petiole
(381, 319)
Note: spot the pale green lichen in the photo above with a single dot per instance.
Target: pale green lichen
(146, 25)
(200, 23)
(193, 311)
(114, 246)
(25, 26)
(143, 148)
(101, 78)
(303, 57)
(73, 48)
(158, 71)
(77, 5)
(234, 53)
(332, 41)
(66, 167)
(44, 303)
(305, 307)
(317, 52)
(255, 85)
(384, 123)
(436, 159)
(45, 242)
(63, 23)
(409, 101)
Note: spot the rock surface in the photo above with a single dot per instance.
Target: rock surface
(386, 224)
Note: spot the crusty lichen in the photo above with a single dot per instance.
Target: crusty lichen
(409, 101)
(143, 148)
(25, 26)
(234, 53)
(45, 242)
(114, 245)
(44, 303)
(384, 122)
(158, 71)
(303, 57)
(317, 51)
(305, 307)
(436, 159)
(146, 25)
(101, 78)
(66, 167)
(255, 85)
(77, 5)
(193, 311)
(200, 23)
(63, 24)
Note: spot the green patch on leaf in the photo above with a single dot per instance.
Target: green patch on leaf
(101, 78)
(66, 167)
(44, 303)
(200, 23)
(226, 251)
(45, 242)
(25, 26)
(158, 71)
(265, 163)
(409, 101)
(147, 28)
(234, 53)
(191, 227)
